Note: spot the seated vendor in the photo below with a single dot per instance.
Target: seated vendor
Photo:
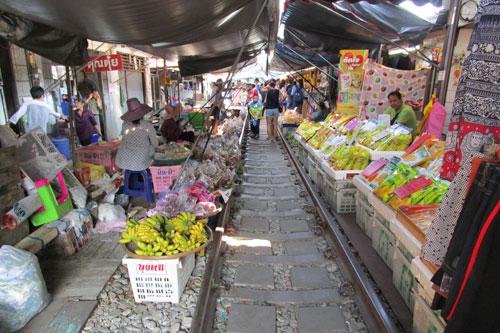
(400, 112)
(320, 114)
(138, 138)
(173, 130)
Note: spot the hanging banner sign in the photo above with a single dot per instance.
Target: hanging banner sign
(105, 63)
(350, 80)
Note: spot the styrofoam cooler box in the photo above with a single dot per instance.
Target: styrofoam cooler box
(406, 238)
(322, 182)
(364, 190)
(383, 240)
(385, 212)
(423, 276)
(424, 319)
(313, 169)
(364, 216)
(159, 280)
(403, 278)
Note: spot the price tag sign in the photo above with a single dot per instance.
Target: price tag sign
(374, 167)
(414, 146)
(380, 135)
(163, 177)
(384, 120)
(412, 186)
(352, 125)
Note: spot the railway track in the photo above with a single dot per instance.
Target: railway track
(279, 262)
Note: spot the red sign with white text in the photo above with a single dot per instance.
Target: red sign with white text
(105, 63)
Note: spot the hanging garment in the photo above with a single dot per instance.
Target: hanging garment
(439, 233)
(476, 110)
(435, 122)
(471, 261)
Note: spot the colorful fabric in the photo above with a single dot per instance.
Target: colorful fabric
(380, 80)
(476, 110)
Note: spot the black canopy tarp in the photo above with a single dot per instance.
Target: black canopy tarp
(326, 32)
(173, 29)
(286, 60)
(54, 44)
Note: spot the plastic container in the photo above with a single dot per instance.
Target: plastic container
(95, 138)
(101, 153)
(321, 181)
(364, 190)
(53, 208)
(364, 215)
(424, 319)
(159, 280)
(403, 278)
(62, 144)
(313, 169)
(339, 174)
(343, 200)
(383, 241)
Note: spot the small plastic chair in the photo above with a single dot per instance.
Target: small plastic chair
(134, 187)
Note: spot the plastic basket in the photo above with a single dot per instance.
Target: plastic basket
(197, 119)
(339, 174)
(38, 156)
(343, 200)
(159, 280)
(403, 278)
(100, 153)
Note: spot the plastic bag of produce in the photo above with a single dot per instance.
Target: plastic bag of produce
(23, 293)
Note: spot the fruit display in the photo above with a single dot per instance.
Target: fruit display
(291, 117)
(307, 129)
(349, 158)
(161, 236)
(172, 151)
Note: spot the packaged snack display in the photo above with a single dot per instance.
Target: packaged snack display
(307, 129)
(331, 144)
(419, 156)
(349, 158)
(417, 219)
(401, 175)
(378, 177)
(291, 117)
(320, 137)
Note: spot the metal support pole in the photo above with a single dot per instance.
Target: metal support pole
(310, 48)
(448, 53)
(423, 57)
(71, 122)
(309, 62)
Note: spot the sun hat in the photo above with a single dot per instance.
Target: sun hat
(136, 110)
(219, 81)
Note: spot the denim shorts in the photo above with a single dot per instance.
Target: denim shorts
(272, 113)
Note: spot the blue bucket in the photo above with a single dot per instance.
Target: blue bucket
(62, 144)
(95, 138)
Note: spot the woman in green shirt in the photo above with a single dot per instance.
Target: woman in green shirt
(400, 112)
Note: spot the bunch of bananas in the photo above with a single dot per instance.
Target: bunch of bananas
(158, 236)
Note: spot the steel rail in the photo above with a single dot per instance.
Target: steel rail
(371, 308)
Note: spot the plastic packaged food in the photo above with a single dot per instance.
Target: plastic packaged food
(401, 175)
(419, 156)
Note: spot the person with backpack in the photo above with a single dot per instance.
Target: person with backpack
(298, 95)
(289, 100)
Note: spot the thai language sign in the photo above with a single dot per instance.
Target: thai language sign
(350, 81)
(105, 63)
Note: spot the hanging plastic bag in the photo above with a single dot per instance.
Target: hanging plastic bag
(23, 292)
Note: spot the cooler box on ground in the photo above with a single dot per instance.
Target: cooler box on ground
(159, 280)
(100, 153)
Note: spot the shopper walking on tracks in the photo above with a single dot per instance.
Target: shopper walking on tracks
(255, 110)
(272, 105)
(298, 95)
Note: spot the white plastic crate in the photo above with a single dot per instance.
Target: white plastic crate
(424, 319)
(364, 214)
(339, 174)
(383, 241)
(403, 278)
(322, 182)
(343, 200)
(159, 280)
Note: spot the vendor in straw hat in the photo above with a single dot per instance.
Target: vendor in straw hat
(173, 130)
(138, 138)
(217, 99)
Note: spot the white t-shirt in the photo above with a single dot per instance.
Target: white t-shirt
(37, 113)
